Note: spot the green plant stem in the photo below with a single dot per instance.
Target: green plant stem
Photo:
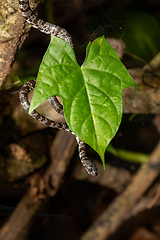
(130, 156)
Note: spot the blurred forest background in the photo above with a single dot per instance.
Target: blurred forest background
(36, 202)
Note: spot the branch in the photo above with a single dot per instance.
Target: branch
(112, 177)
(13, 33)
(146, 99)
(113, 216)
(62, 151)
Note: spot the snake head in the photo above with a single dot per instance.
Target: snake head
(90, 167)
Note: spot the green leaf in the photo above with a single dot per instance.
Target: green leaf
(91, 94)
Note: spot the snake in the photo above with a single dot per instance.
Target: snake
(59, 32)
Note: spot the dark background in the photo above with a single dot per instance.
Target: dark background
(78, 203)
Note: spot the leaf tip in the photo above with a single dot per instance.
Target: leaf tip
(103, 160)
(104, 166)
(31, 109)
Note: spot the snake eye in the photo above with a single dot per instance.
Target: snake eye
(92, 170)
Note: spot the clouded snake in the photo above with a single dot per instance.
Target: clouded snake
(57, 31)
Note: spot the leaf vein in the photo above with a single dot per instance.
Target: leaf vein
(105, 95)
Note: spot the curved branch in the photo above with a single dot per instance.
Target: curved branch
(146, 99)
(117, 212)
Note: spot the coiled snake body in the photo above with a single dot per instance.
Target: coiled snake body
(57, 31)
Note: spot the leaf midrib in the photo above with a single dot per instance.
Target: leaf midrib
(90, 109)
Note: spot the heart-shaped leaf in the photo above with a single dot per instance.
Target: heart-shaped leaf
(91, 94)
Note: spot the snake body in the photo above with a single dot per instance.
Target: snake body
(57, 31)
